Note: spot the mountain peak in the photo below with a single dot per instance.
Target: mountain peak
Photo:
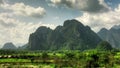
(73, 35)
(103, 30)
(42, 28)
(9, 45)
(116, 27)
(72, 23)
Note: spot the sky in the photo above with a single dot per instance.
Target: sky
(20, 18)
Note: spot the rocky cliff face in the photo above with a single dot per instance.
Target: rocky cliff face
(73, 35)
(39, 39)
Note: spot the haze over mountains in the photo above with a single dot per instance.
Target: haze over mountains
(112, 36)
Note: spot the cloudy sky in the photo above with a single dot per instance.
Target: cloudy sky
(19, 18)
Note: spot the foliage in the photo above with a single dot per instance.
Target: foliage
(104, 45)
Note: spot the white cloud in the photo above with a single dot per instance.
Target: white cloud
(84, 5)
(25, 10)
(12, 30)
(101, 20)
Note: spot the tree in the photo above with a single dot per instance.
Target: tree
(104, 45)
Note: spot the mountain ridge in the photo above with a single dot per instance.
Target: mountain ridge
(73, 35)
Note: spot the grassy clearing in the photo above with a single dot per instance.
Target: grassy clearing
(14, 60)
(26, 66)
